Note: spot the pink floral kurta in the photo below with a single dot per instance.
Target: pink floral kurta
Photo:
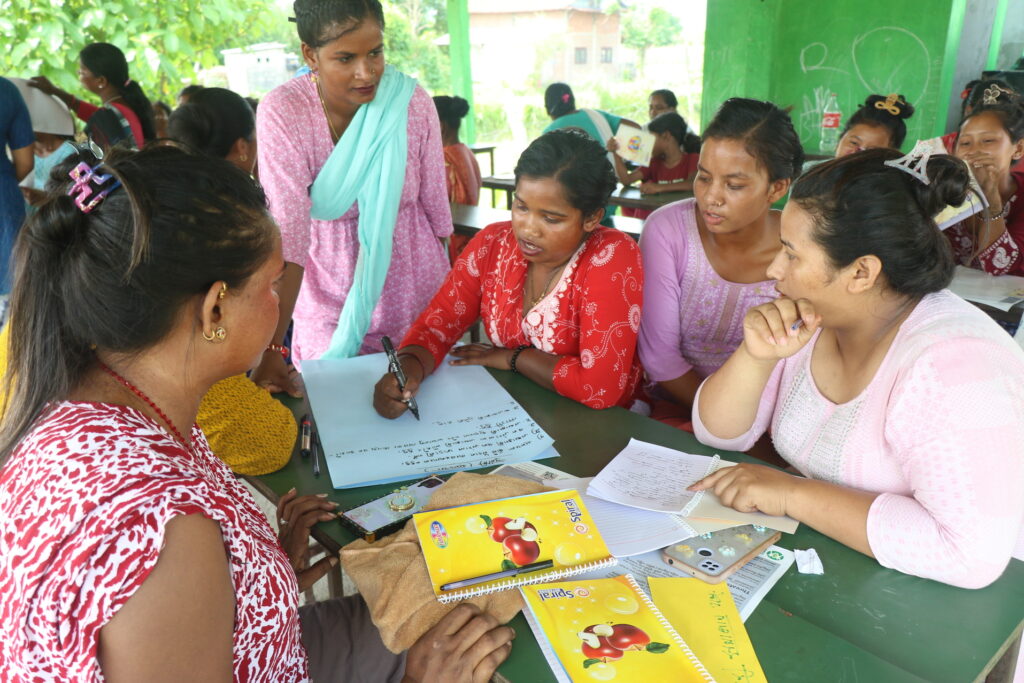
(294, 143)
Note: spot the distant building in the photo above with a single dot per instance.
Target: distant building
(257, 69)
(573, 41)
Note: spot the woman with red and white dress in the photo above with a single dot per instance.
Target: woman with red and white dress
(128, 551)
(560, 295)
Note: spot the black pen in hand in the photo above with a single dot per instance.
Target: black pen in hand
(395, 368)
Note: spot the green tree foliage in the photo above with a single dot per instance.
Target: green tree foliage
(656, 28)
(166, 41)
(411, 29)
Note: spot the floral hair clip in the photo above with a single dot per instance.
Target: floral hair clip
(915, 162)
(891, 104)
(993, 94)
(85, 176)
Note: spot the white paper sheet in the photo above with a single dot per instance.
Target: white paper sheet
(999, 291)
(467, 421)
(652, 477)
(635, 144)
(627, 530)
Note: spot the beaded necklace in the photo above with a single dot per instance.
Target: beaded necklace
(138, 392)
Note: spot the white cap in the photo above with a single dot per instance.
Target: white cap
(48, 114)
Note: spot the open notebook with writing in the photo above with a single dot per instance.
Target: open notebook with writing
(479, 539)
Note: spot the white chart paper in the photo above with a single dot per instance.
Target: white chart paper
(467, 421)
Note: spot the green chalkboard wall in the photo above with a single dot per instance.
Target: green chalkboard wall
(796, 52)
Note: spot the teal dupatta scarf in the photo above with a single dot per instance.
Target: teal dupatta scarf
(368, 166)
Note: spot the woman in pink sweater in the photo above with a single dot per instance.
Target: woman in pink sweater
(902, 404)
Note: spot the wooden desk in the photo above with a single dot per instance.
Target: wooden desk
(469, 220)
(859, 621)
(622, 196)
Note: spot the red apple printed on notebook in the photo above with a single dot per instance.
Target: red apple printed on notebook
(603, 643)
(518, 537)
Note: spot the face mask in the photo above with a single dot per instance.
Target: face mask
(45, 164)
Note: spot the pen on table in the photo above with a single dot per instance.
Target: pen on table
(315, 451)
(525, 569)
(306, 428)
(395, 368)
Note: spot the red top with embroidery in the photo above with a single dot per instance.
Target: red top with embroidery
(1005, 256)
(84, 501)
(590, 318)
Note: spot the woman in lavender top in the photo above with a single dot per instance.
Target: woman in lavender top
(705, 259)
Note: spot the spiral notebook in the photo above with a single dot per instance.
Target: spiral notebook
(501, 536)
(607, 629)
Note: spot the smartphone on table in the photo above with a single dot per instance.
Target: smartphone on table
(382, 516)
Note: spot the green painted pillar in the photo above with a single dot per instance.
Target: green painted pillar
(459, 54)
(996, 41)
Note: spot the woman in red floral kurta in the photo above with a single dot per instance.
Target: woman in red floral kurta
(991, 140)
(559, 294)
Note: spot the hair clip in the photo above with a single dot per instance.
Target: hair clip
(565, 97)
(84, 175)
(891, 104)
(993, 94)
(916, 162)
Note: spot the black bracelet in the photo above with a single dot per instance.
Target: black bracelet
(515, 357)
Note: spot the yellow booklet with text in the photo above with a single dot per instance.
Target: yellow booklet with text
(500, 544)
(707, 615)
(607, 630)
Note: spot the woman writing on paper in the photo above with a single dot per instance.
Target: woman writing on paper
(901, 403)
(129, 552)
(558, 293)
(350, 156)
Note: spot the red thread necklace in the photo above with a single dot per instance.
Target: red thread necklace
(138, 392)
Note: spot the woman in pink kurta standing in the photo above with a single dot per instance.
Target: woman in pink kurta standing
(298, 125)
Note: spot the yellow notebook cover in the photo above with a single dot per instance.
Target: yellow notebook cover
(707, 614)
(607, 630)
(484, 538)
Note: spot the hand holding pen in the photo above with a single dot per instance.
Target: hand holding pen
(395, 392)
(779, 328)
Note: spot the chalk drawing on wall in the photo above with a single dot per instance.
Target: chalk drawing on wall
(909, 58)
(819, 50)
(885, 59)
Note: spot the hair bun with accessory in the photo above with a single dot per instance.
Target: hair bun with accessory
(995, 94)
(85, 177)
(565, 97)
(890, 104)
(915, 162)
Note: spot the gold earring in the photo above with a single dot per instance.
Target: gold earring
(216, 336)
(224, 286)
(243, 158)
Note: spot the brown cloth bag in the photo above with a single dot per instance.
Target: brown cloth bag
(392, 576)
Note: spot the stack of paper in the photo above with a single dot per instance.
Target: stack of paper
(748, 585)
(656, 478)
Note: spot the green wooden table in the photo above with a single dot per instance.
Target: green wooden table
(857, 622)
